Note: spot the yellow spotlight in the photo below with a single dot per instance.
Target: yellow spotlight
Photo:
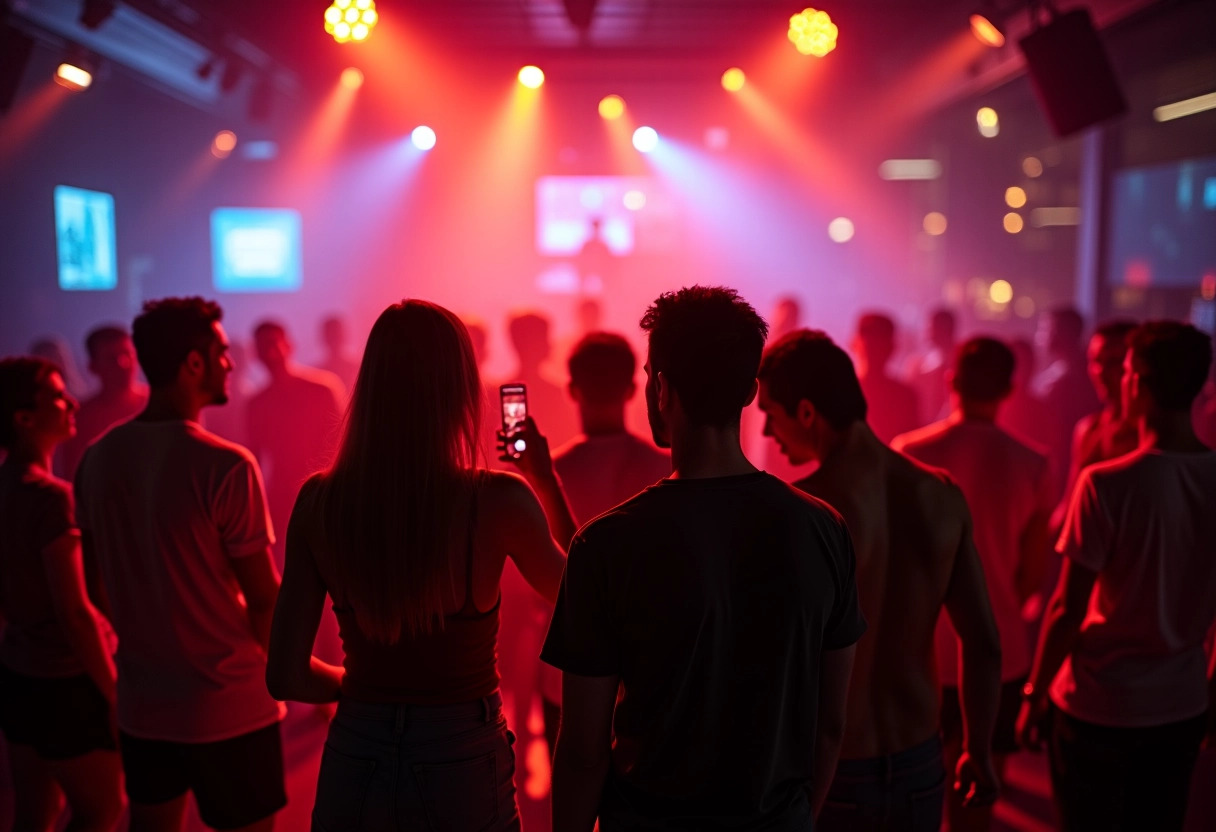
(986, 32)
(531, 77)
(352, 78)
(812, 32)
(733, 79)
(1000, 292)
(347, 20)
(73, 77)
(1015, 197)
(935, 223)
(612, 107)
(988, 122)
(1013, 222)
(1032, 167)
(223, 144)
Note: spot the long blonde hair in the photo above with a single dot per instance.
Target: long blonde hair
(393, 508)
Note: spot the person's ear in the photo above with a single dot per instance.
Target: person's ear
(195, 365)
(664, 390)
(751, 396)
(805, 413)
(23, 418)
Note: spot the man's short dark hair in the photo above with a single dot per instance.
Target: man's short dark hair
(983, 370)
(807, 364)
(1068, 322)
(1116, 330)
(707, 342)
(103, 335)
(169, 330)
(876, 325)
(602, 367)
(269, 326)
(1175, 358)
(20, 379)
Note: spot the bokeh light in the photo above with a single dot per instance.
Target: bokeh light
(612, 107)
(1015, 197)
(645, 139)
(812, 32)
(935, 223)
(733, 79)
(223, 144)
(347, 20)
(1032, 167)
(73, 77)
(1024, 307)
(988, 122)
(841, 230)
(423, 137)
(1013, 222)
(352, 78)
(1000, 292)
(531, 77)
(986, 32)
(634, 200)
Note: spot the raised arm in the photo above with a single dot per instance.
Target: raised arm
(970, 612)
(513, 512)
(536, 465)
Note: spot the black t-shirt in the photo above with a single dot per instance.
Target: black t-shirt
(712, 600)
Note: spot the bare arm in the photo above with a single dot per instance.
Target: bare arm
(536, 465)
(970, 612)
(76, 615)
(1032, 561)
(516, 515)
(259, 582)
(292, 672)
(1061, 625)
(582, 758)
(835, 671)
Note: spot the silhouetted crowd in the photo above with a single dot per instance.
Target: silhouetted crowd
(842, 640)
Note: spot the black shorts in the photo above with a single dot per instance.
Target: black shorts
(236, 782)
(1004, 738)
(60, 718)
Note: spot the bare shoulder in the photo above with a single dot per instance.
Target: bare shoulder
(502, 491)
(933, 486)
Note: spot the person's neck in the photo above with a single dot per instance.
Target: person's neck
(970, 411)
(116, 392)
(703, 453)
(278, 372)
(1170, 430)
(32, 455)
(845, 447)
(170, 404)
(602, 423)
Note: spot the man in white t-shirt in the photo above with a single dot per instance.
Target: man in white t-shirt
(176, 518)
(1008, 488)
(606, 464)
(1120, 688)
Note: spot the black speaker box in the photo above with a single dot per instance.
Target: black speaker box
(1071, 74)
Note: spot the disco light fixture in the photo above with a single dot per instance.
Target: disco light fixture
(645, 139)
(812, 32)
(347, 20)
(611, 107)
(531, 77)
(423, 137)
(733, 79)
(986, 31)
(73, 77)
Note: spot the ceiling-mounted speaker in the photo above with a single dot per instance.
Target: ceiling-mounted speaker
(1071, 73)
(15, 50)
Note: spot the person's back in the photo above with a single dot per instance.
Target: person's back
(1064, 388)
(912, 535)
(599, 472)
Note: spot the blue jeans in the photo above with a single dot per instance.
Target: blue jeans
(392, 768)
(899, 793)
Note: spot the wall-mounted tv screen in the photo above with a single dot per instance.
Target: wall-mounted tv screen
(255, 249)
(84, 239)
(622, 214)
(1163, 225)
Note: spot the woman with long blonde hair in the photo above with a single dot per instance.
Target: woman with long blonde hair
(409, 537)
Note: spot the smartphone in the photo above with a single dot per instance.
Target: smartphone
(514, 412)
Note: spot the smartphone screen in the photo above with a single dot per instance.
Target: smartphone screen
(514, 411)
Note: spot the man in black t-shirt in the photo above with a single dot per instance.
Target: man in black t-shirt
(721, 602)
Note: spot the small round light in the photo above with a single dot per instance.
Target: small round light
(1024, 307)
(1000, 292)
(812, 32)
(988, 122)
(986, 32)
(520, 446)
(1015, 197)
(1013, 222)
(352, 78)
(841, 230)
(351, 15)
(612, 107)
(223, 144)
(342, 32)
(360, 31)
(733, 79)
(935, 223)
(531, 77)
(645, 139)
(423, 137)
(1032, 167)
(634, 200)
(333, 14)
(370, 17)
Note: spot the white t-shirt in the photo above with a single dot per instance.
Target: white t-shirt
(1006, 483)
(599, 473)
(1146, 523)
(169, 506)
